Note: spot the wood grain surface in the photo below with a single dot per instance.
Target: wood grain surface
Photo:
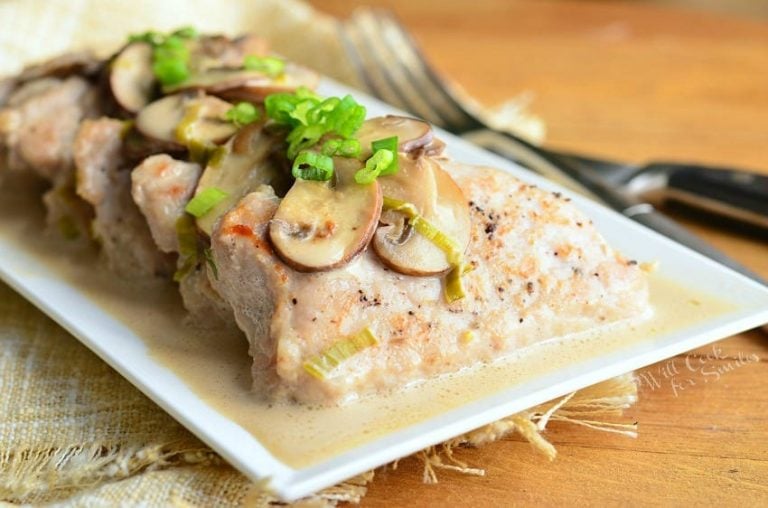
(636, 82)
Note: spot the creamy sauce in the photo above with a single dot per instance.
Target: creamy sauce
(216, 366)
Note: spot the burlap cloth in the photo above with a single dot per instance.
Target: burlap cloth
(72, 431)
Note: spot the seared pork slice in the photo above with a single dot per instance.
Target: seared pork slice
(541, 270)
(248, 271)
(38, 125)
(206, 308)
(118, 226)
(67, 214)
(162, 186)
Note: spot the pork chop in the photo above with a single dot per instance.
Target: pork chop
(162, 186)
(541, 270)
(119, 226)
(39, 122)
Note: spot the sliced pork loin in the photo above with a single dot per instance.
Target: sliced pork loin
(67, 214)
(541, 270)
(162, 186)
(249, 280)
(38, 124)
(119, 226)
(206, 308)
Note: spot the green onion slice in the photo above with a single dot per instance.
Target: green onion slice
(312, 166)
(171, 70)
(379, 162)
(205, 201)
(170, 54)
(346, 118)
(303, 137)
(321, 365)
(242, 114)
(310, 119)
(208, 255)
(390, 144)
(342, 147)
(279, 106)
(454, 287)
(269, 65)
(186, 233)
(186, 32)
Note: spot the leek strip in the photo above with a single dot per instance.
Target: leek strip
(186, 232)
(454, 287)
(320, 366)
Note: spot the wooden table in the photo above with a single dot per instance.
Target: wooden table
(635, 82)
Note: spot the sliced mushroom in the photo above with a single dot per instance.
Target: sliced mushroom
(321, 226)
(238, 84)
(412, 134)
(400, 246)
(221, 51)
(295, 76)
(240, 167)
(182, 120)
(434, 148)
(131, 79)
(414, 182)
(204, 122)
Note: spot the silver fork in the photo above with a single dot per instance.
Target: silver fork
(394, 69)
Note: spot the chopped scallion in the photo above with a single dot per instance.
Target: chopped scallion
(454, 287)
(242, 114)
(186, 234)
(269, 65)
(208, 255)
(321, 365)
(345, 118)
(204, 202)
(341, 147)
(303, 137)
(312, 166)
(312, 118)
(279, 106)
(171, 70)
(391, 144)
(170, 54)
(381, 160)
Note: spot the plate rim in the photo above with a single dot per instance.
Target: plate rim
(293, 483)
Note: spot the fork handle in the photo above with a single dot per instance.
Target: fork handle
(740, 195)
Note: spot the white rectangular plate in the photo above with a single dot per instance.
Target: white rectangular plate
(124, 350)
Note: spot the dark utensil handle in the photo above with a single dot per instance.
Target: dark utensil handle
(646, 215)
(737, 194)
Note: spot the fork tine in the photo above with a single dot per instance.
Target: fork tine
(383, 70)
(390, 51)
(348, 41)
(423, 78)
(358, 53)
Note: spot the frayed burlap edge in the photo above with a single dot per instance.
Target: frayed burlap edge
(28, 476)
